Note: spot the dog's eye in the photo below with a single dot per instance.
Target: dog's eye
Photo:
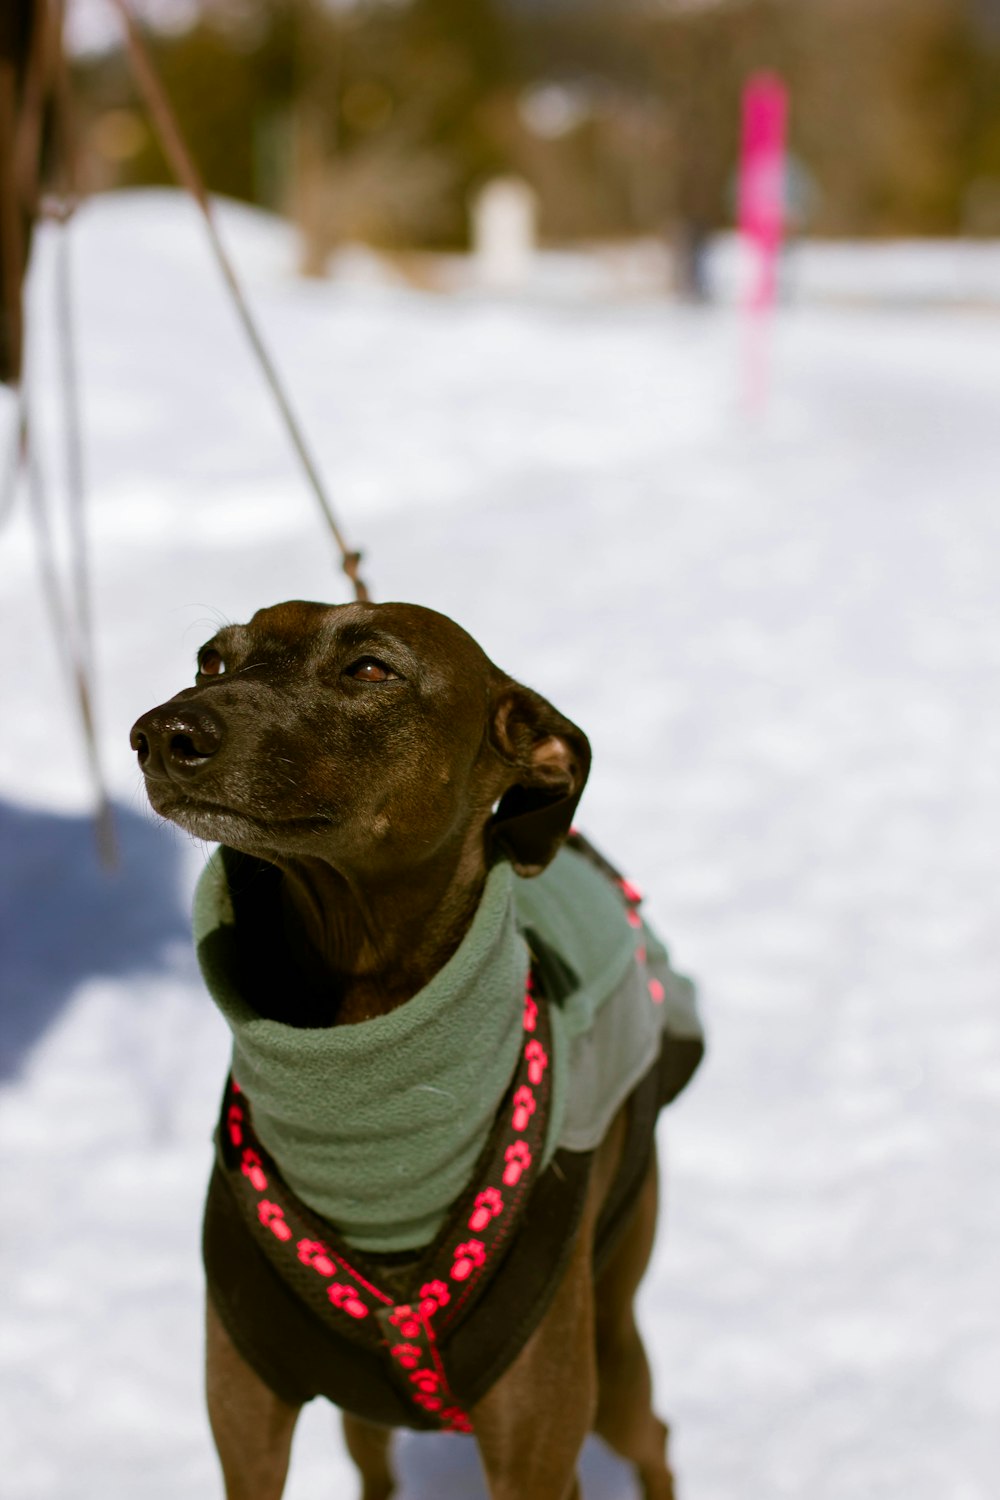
(368, 669)
(211, 664)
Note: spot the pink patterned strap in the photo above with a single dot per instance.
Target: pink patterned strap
(341, 1284)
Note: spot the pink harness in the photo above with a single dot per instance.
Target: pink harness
(449, 1275)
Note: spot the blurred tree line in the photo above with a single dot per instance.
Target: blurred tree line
(378, 119)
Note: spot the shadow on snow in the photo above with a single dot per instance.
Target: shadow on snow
(63, 919)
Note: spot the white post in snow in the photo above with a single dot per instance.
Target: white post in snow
(504, 235)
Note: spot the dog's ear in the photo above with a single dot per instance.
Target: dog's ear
(550, 760)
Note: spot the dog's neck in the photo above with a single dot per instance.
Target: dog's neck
(374, 942)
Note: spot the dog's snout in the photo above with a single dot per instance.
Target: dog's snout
(176, 741)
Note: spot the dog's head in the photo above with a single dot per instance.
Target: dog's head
(369, 735)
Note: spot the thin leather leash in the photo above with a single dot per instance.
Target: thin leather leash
(46, 95)
(45, 98)
(176, 151)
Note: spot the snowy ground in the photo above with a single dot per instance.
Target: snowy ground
(782, 636)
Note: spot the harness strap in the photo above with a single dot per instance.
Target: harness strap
(342, 1285)
(408, 1323)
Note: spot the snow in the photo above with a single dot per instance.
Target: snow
(901, 274)
(782, 636)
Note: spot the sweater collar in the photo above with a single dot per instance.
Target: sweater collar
(377, 1125)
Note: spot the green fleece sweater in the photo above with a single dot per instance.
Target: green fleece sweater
(378, 1126)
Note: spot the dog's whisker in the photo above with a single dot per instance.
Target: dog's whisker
(215, 622)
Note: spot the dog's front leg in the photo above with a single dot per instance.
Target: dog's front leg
(368, 1444)
(252, 1426)
(531, 1425)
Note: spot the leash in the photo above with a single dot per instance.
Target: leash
(175, 149)
(46, 103)
(69, 637)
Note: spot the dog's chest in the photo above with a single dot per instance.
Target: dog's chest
(378, 1127)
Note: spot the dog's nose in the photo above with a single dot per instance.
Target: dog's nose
(172, 741)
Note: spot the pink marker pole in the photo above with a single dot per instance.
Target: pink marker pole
(761, 214)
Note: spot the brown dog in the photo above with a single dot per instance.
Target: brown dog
(378, 765)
